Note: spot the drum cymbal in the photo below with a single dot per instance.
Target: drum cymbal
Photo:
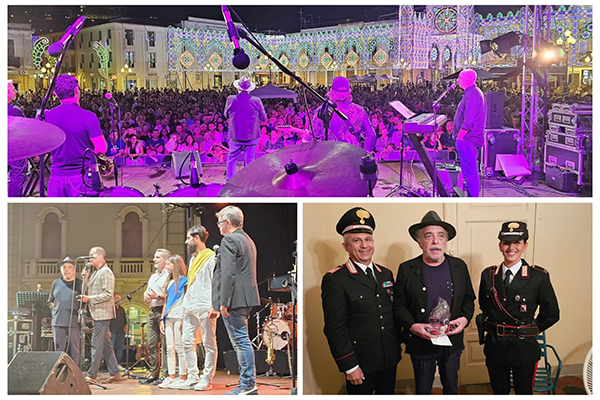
(324, 169)
(29, 137)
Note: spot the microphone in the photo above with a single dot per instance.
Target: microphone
(240, 59)
(97, 185)
(88, 257)
(450, 88)
(216, 248)
(56, 48)
(194, 180)
(110, 98)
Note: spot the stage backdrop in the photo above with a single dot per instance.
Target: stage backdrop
(560, 241)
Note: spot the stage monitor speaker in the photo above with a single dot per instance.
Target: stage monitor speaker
(180, 164)
(495, 110)
(45, 372)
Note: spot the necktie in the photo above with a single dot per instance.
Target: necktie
(507, 278)
(371, 276)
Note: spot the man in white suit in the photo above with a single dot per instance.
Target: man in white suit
(99, 298)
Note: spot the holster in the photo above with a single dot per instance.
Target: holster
(480, 322)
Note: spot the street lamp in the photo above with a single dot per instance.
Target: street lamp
(568, 42)
(126, 70)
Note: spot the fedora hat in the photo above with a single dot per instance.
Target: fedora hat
(432, 218)
(244, 84)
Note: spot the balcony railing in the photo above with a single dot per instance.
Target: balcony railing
(122, 268)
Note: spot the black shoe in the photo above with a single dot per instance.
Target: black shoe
(148, 380)
(158, 381)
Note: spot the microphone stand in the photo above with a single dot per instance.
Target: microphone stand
(436, 107)
(82, 327)
(42, 115)
(327, 109)
(128, 296)
(112, 129)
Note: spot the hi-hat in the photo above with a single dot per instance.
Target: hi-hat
(314, 169)
(29, 137)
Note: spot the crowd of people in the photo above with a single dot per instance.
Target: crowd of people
(157, 122)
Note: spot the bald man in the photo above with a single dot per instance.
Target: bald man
(470, 123)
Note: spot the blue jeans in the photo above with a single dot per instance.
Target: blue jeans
(66, 186)
(467, 152)
(237, 329)
(235, 150)
(116, 341)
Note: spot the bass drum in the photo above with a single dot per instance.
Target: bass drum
(278, 330)
(121, 191)
(210, 190)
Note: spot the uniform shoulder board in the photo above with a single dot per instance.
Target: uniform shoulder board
(334, 270)
(491, 267)
(538, 268)
(381, 267)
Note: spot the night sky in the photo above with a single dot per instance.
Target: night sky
(258, 18)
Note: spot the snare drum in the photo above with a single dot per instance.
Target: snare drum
(210, 190)
(121, 191)
(278, 331)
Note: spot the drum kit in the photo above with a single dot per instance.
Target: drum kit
(277, 326)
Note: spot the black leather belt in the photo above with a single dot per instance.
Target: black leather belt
(509, 330)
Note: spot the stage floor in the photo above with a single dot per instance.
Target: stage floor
(415, 178)
(130, 386)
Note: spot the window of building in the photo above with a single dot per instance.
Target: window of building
(132, 236)
(51, 237)
(129, 59)
(152, 60)
(151, 39)
(109, 34)
(99, 35)
(129, 37)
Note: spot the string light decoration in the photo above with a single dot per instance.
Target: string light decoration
(40, 51)
(102, 53)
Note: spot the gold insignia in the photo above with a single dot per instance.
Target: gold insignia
(362, 214)
(513, 225)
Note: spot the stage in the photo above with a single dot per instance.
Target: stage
(143, 178)
(130, 386)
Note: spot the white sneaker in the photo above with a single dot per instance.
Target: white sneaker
(176, 382)
(188, 384)
(166, 383)
(203, 385)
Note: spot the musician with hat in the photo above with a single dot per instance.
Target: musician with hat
(65, 306)
(509, 297)
(358, 309)
(420, 283)
(244, 113)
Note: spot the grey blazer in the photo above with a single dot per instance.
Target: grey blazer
(100, 289)
(234, 280)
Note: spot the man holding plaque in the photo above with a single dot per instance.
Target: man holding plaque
(433, 329)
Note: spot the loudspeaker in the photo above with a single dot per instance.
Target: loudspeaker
(181, 169)
(495, 110)
(45, 372)
(561, 178)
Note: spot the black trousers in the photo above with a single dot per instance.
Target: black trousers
(523, 378)
(424, 369)
(383, 382)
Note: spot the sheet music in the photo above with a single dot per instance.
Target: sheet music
(402, 109)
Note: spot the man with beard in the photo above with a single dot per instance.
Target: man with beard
(358, 310)
(420, 284)
(101, 304)
(155, 297)
(196, 303)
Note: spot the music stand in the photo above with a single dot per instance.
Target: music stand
(407, 114)
(33, 301)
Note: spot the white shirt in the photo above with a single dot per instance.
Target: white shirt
(176, 310)
(198, 297)
(157, 284)
(514, 270)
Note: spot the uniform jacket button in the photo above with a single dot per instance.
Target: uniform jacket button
(381, 317)
(380, 306)
(422, 310)
(383, 327)
(377, 294)
(424, 288)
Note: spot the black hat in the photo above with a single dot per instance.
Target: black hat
(432, 218)
(513, 231)
(356, 220)
(67, 260)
